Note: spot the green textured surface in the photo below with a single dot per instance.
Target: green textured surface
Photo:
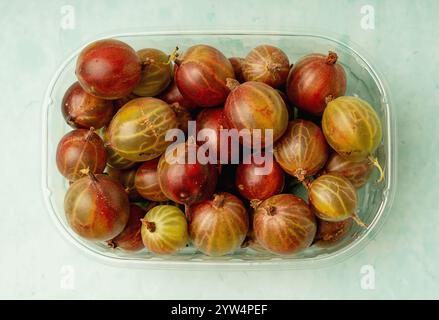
(404, 47)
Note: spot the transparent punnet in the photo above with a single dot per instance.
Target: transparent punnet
(363, 80)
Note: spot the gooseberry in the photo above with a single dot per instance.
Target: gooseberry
(96, 207)
(302, 151)
(114, 160)
(313, 80)
(82, 110)
(215, 120)
(266, 64)
(108, 69)
(184, 182)
(78, 151)
(156, 72)
(130, 239)
(201, 75)
(353, 129)
(146, 181)
(330, 233)
(164, 229)
(284, 224)
(138, 130)
(173, 96)
(356, 171)
(333, 198)
(218, 226)
(255, 105)
(253, 183)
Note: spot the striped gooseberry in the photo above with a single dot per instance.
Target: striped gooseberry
(267, 64)
(184, 181)
(79, 151)
(333, 198)
(314, 80)
(164, 229)
(156, 72)
(214, 119)
(82, 110)
(137, 131)
(353, 129)
(147, 183)
(302, 151)
(201, 75)
(330, 233)
(218, 226)
(356, 171)
(130, 239)
(108, 69)
(259, 186)
(283, 224)
(255, 105)
(114, 160)
(97, 207)
(173, 96)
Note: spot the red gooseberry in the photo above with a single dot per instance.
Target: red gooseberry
(313, 80)
(97, 207)
(79, 151)
(108, 69)
(201, 75)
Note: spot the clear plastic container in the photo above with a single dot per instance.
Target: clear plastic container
(363, 80)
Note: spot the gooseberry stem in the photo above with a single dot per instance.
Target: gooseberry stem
(306, 183)
(89, 134)
(149, 225)
(176, 107)
(255, 203)
(218, 201)
(300, 174)
(331, 58)
(232, 83)
(88, 172)
(274, 67)
(329, 98)
(70, 120)
(377, 165)
(271, 211)
(111, 244)
(358, 221)
(173, 56)
(92, 175)
(147, 62)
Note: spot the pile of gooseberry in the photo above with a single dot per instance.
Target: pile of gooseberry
(126, 193)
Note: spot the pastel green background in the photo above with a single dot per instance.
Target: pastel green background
(404, 46)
